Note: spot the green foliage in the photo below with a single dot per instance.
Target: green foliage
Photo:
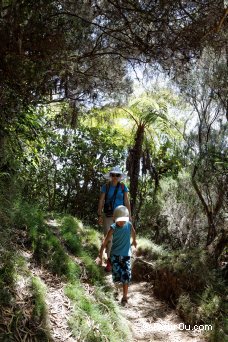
(46, 246)
(93, 272)
(210, 304)
(186, 308)
(84, 243)
(47, 242)
(7, 276)
(151, 107)
(39, 294)
(91, 240)
(208, 309)
(71, 169)
(70, 233)
(175, 218)
(49, 252)
(150, 250)
(192, 265)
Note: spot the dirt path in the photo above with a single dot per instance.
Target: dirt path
(151, 320)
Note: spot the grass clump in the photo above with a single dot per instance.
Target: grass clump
(208, 310)
(212, 310)
(46, 246)
(96, 318)
(70, 228)
(39, 294)
(187, 279)
(7, 276)
(94, 273)
(50, 253)
(84, 243)
(91, 241)
(40, 310)
(149, 249)
(25, 215)
(191, 266)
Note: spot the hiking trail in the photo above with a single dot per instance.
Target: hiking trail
(152, 320)
(149, 319)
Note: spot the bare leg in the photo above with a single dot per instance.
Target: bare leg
(107, 221)
(125, 291)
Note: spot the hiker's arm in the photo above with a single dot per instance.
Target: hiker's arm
(127, 204)
(133, 235)
(100, 207)
(103, 245)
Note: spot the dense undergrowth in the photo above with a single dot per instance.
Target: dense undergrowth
(188, 281)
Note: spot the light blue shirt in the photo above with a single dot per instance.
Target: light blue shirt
(119, 195)
(121, 239)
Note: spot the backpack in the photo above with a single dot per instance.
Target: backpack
(108, 206)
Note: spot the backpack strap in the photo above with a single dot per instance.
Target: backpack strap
(115, 192)
(122, 187)
(107, 187)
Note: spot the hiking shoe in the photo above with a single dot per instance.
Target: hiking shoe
(108, 266)
(116, 295)
(124, 301)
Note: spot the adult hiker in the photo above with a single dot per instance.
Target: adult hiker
(121, 231)
(113, 194)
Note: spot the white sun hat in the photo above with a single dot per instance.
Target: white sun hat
(116, 170)
(121, 213)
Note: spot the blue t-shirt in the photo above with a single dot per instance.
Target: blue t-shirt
(119, 195)
(121, 239)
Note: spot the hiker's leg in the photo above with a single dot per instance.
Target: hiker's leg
(107, 221)
(125, 276)
(116, 271)
(125, 291)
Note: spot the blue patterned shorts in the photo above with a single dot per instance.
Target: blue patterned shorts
(121, 269)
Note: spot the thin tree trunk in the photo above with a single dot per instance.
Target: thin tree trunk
(2, 148)
(216, 248)
(54, 191)
(48, 192)
(210, 217)
(66, 198)
(133, 166)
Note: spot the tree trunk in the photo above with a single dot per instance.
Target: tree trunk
(216, 248)
(48, 192)
(133, 165)
(210, 217)
(66, 198)
(211, 234)
(211, 211)
(2, 148)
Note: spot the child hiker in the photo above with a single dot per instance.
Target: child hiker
(121, 232)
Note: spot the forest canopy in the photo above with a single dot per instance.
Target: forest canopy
(80, 49)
